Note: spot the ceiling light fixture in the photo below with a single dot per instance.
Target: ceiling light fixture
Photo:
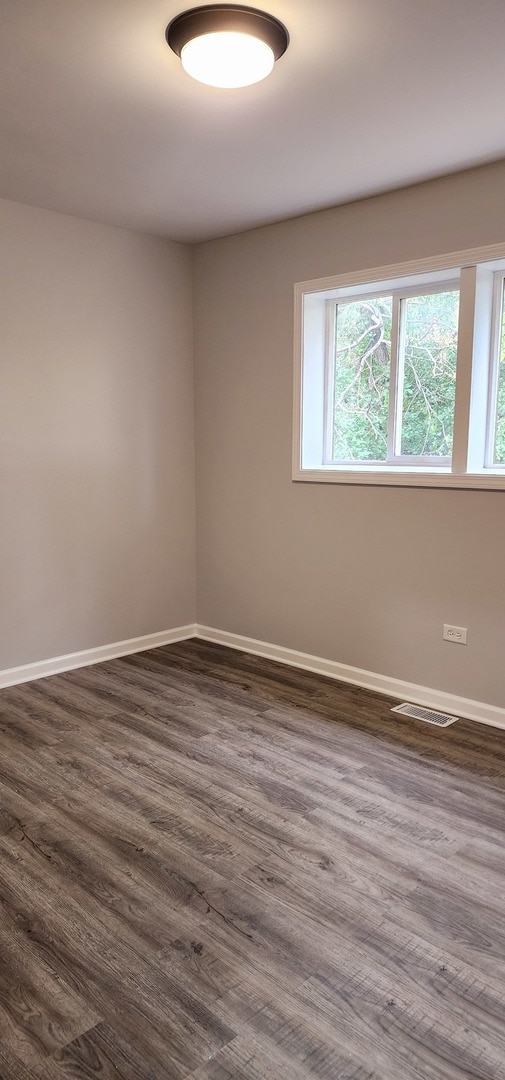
(227, 45)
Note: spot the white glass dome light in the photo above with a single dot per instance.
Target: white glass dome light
(227, 60)
(227, 45)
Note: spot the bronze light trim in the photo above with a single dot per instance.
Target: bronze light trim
(232, 18)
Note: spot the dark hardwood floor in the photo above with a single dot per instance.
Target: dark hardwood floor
(219, 868)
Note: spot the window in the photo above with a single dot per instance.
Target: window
(400, 375)
(393, 377)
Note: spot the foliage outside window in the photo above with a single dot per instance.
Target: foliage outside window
(402, 379)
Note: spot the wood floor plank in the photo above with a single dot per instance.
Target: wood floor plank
(249, 1057)
(216, 867)
(11, 1068)
(111, 967)
(39, 1010)
(405, 1033)
(102, 1053)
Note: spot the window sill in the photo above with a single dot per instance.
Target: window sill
(396, 477)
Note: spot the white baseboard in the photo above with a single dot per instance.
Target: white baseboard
(370, 680)
(42, 668)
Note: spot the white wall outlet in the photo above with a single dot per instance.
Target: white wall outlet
(455, 633)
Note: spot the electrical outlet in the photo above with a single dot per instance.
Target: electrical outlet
(457, 634)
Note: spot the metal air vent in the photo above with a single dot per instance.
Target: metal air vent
(430, 716)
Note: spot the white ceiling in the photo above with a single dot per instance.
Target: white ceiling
(98, 119)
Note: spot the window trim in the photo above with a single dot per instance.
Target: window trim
(472, 386)
(498, 312)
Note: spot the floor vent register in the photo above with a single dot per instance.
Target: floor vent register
(430, 716)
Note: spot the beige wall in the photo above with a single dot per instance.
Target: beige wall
(365, 576)
(96, 435)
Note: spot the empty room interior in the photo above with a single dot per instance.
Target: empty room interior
(252, 547)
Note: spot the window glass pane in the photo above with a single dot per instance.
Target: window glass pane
(499, 445)
(361, 390)
(430, 339)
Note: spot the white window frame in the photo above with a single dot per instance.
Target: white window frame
(478, 273)
(498, 310)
